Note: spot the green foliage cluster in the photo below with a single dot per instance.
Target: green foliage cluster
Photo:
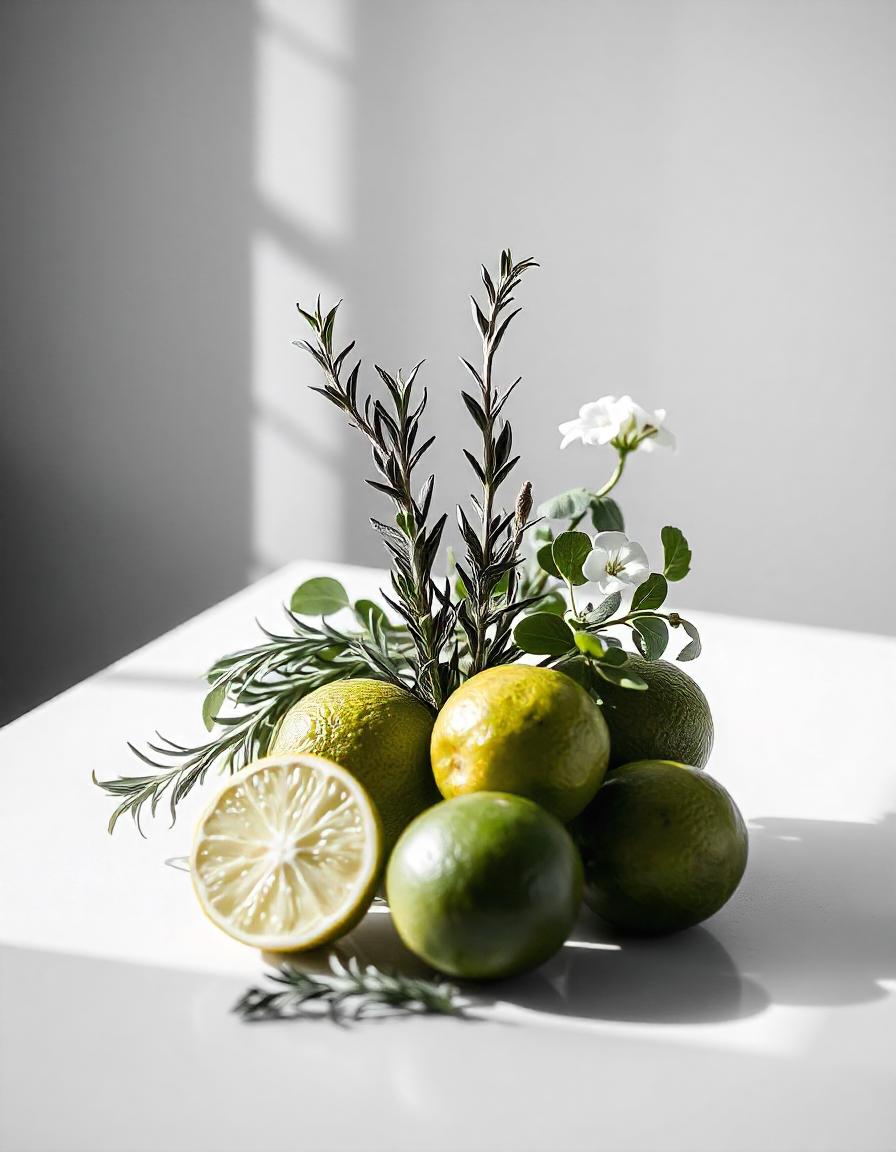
(511, 594)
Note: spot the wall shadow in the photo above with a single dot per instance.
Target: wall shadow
(124, 445)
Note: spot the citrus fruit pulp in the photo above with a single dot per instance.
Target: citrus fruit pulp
(287, 855)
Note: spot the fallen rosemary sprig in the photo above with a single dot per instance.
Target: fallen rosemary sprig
(348, 991)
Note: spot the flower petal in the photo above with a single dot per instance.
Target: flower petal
(611, 541)
(595, 565)
(633, 554)
(608, 584)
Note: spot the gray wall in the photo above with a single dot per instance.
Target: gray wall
(126, 137)
(709, 187)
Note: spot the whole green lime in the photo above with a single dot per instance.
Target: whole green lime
(484, 886)
(663, 845)
(530, 731)
(670, 721)
(377, 731)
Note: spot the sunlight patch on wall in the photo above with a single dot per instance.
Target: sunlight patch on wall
(304, 100)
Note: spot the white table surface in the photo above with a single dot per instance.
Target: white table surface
(770, 1027)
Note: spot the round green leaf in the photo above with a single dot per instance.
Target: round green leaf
(654, 636)
(544, 634)
(545, 557)
(570, 550)
(651, 594)
(622, 677)
(320, 596)
(212, 705)
(370, 615)
(566, 505)
(553, 602)
(606, 515)
(591, 645)
(677, 554)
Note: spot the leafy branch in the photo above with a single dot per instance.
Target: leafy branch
(347, 991)
(577, 640)
(262, 682)
(392, 434)
(492, 553)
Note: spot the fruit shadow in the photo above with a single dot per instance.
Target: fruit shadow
(686, 978)
(813, 924)
(814, 921)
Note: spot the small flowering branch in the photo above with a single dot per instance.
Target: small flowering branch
(347, 991)
(577, 639)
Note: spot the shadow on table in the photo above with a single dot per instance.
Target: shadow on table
(688, 978)
(812, 924)
(815, 919)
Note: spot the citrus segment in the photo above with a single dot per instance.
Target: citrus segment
(287, 855)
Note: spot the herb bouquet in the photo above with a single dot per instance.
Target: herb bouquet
(560, 587)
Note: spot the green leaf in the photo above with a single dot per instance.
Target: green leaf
(677, 554)
(212, 705)
(321, 596)
(651, 594)
(500, 589)
(692, 650)
(370, 615)
(605, 609)
(553, 602)
(591, 645)
(569, 551)
(615, 656)
(544, 634)
(579, 670)
(622, 677)
(654, 636)
(545, 556)
(566, 505)
(606, 515)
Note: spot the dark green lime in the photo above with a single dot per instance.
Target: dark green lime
(664, 847)
(484, 885)
(670, 721)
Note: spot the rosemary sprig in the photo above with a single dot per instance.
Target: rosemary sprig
(392, 434)
(492, 552)
(262, 683)
(347, 991)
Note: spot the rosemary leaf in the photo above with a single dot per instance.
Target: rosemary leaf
(348, 991)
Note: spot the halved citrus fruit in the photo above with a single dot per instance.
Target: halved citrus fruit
(288, 854)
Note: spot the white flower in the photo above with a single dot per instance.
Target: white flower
(598, 423)
(616, 563)
(622, 423)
